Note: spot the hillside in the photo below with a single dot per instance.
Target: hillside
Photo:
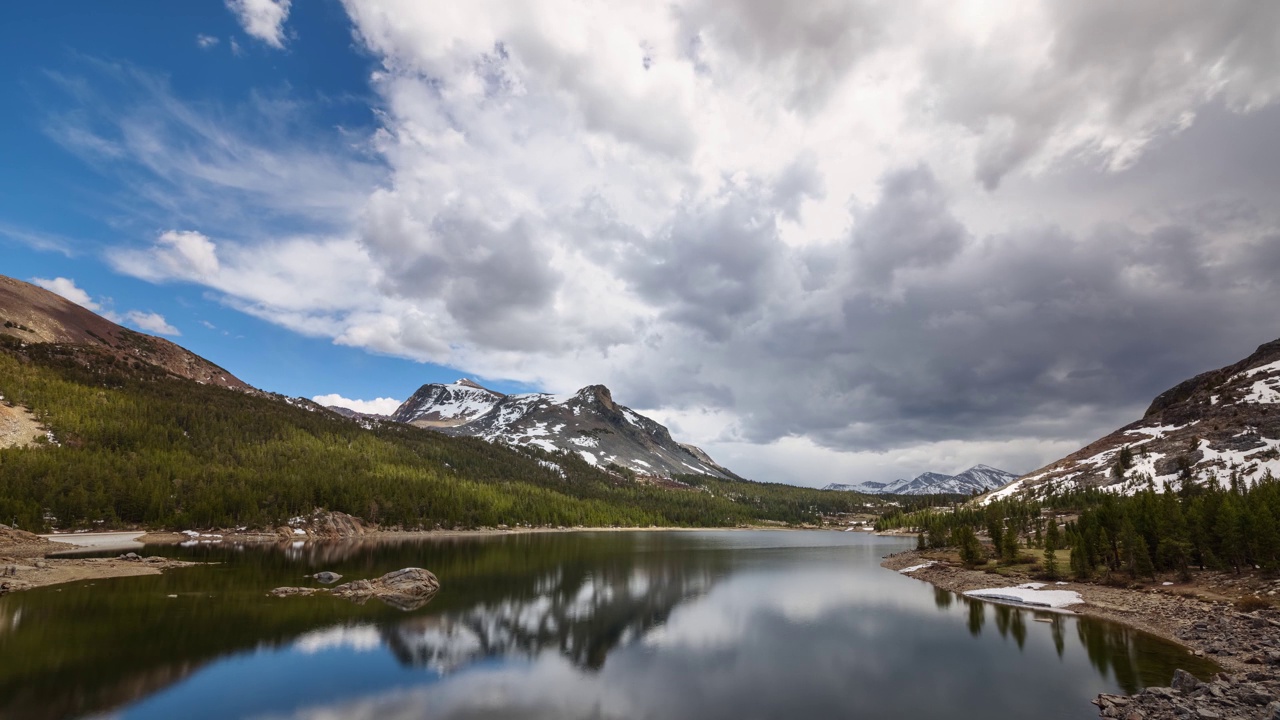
(32, 314)
(1219, 426)
(587, 423)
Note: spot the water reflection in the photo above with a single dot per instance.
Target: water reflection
(707, 625)
(1113, 650)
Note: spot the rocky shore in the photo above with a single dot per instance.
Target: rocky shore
(1245, 644)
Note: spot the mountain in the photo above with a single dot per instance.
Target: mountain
(587, 423)
(35, 315)
(979, 478)
(1217, 425)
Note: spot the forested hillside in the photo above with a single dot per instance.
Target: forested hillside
(133, 445)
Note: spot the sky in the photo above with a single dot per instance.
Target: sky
(826, 241)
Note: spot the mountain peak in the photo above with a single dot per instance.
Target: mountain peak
(588, 423)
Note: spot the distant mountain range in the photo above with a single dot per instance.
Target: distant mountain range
(979, 478)
(1219, 424)
(588, 423)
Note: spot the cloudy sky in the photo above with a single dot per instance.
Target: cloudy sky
(827, 241)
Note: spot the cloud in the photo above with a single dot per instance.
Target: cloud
(206, 42)
(832, 236)
(175, 255)
(150, 322)
(262, 19)
(377, 406)
(68, 289)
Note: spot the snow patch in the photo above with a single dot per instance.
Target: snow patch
(1033, 597)
(914, 568)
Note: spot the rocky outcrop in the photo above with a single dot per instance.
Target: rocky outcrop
(1247, 696)
(404, 589)
(323, 525)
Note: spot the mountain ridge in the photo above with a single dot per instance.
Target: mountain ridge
(979, 478)
(1217, 425)
(33, 314)
(587, 423)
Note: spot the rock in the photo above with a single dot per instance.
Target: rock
(40, 564)
(406, 589)
(132, 557)
(1184, 682)
(293, 591)
(327, 577)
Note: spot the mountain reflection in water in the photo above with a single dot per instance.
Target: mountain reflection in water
(654, 624)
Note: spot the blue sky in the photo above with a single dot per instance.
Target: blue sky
(831, 241)
(61, 210)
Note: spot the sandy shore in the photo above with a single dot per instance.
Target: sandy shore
(25, 573)
(1182, 614)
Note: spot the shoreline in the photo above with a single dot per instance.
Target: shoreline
(1246, 645)
(29, 561)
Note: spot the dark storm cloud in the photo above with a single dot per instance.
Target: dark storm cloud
(494, 279)
(1034, 333)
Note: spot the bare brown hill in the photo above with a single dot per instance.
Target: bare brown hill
(35, 315)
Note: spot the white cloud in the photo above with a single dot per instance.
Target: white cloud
(206, 42)
(151, 322)
(828, 227)
(377, 406)
(68, 289)
(262, 19)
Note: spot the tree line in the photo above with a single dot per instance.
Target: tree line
(132, 446)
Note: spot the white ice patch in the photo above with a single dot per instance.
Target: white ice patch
(1033, 597)
(914, 568)
(1264, 392)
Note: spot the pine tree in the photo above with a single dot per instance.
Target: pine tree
(1051, 549)
(1009, 546)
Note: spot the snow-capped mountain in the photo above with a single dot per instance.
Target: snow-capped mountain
(979, 478)
(1218, 424)
(587, 422)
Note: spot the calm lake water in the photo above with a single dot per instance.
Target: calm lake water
(728, 624)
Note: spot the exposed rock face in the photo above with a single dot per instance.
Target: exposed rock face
(35, 315)
(405, 589)
(588, 423)
(1205, 429)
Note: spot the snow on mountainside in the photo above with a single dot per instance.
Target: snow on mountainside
(587, 422)
(978, 478)
(1218, 424)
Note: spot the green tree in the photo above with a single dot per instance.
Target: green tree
(1051, 549)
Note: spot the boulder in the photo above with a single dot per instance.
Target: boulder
(327, 577)
(405, 589)
(1184, 682)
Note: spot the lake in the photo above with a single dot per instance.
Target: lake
(705, 624)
